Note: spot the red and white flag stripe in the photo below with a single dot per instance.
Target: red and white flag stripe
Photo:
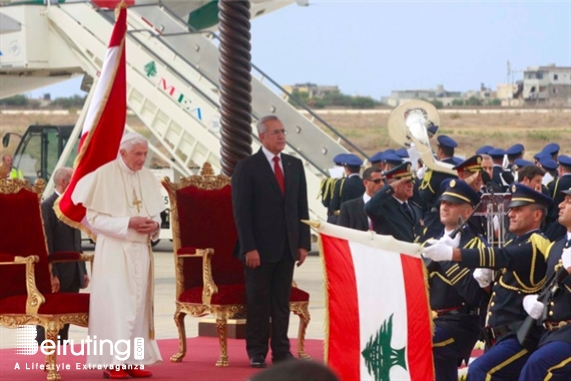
(378, 322)
(104, 123)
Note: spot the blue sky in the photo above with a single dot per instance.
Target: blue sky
(373, 47)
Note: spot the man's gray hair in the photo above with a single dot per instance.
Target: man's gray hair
(128, 144)
(261, 125)
(62, 173)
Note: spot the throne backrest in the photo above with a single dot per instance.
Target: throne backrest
(22, 234)
(202, 217)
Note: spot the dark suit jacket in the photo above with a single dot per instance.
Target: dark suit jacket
(266, 219)
(353, 215)
(62, 237)
(389, 218)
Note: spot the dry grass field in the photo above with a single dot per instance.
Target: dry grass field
(369, 132)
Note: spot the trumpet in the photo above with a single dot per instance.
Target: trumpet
(408, 126)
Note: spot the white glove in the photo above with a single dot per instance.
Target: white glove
(449, 241)
(483, 276)
(532, 306)
(566, 258)
(438, 252)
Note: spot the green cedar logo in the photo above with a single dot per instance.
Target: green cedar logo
(378, 354)
(151, 69)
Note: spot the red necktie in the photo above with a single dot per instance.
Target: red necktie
(279, 173)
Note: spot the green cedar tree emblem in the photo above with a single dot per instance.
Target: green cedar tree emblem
(151, 69)
(378, 354)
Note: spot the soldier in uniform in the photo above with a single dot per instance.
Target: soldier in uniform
(391, 160)
(523, 265)
(455, 296)
(429, 191)
(389, 209)
(470, 171)
(501, 178)
(552, 359)
(377, 160)
(329, 185)
(349, 189)
(514, 152)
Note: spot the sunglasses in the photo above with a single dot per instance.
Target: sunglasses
(377, 181)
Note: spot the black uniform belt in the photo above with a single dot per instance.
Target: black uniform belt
(502, 330)
(457, 311)
(555, 325)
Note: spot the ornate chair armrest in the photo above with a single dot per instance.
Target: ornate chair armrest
(35, 299)
(209, 288)
(69, 256)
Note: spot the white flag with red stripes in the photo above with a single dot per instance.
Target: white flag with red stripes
(378, 324)
(104, 123)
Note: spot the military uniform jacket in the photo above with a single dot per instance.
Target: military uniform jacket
(559, 308)
(389, 217)
(522, 264)
(351, 188)
(334, 203)
(451, 286)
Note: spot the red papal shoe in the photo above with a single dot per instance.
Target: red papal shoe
(138, 373)
(116, 374)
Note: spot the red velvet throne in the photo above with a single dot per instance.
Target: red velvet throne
(25, 280)
(209, 280)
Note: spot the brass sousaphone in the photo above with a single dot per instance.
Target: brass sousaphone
(408, 126)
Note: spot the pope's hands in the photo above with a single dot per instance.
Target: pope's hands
(532, 306)
(483, 277)
(438, 252)
(143, 225)
(566, 258)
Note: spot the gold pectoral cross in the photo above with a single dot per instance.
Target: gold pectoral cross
(136, 202)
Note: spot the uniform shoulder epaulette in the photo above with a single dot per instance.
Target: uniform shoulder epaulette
(540, 242)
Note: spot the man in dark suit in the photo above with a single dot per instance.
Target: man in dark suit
(66, 276)
(269, 195)
(390, 210)
(352, 213)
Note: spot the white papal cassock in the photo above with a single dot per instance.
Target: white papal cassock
(121, 304)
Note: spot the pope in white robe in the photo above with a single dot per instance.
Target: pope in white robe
(123, 203)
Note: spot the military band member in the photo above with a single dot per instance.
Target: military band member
(455, 296)
(552, 360)
(501, 177)
(429, 190)
(390, 210)
(563, 181)
(470, 171)
(523, 265)
(331, 185)
(352, 213)
(349, 189)
(514, 152)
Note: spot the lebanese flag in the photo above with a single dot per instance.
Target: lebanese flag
(104, 123)
(379, 324)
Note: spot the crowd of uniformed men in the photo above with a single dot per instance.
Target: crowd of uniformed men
(485, 283)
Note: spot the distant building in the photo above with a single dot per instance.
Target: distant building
(541, 85)
(399, 96)
(550, 85)
(313, 90)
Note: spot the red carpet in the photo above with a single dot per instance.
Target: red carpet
(198, 364)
